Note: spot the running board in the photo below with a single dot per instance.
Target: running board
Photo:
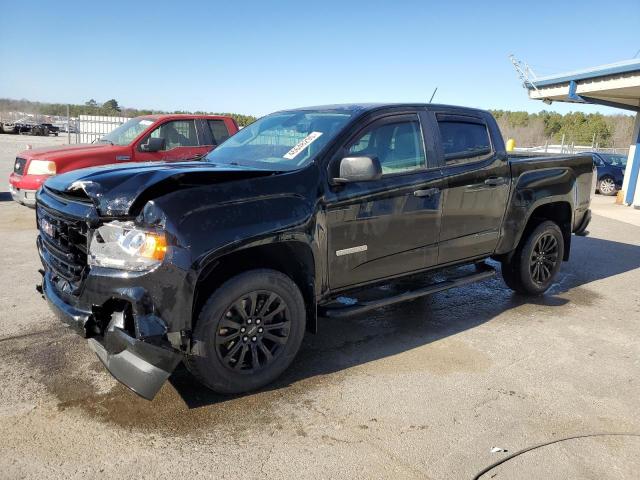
(347, 311)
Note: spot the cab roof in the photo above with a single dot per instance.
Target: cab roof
(369, 107)
(178, 116)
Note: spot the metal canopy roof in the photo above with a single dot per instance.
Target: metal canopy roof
(615, 85)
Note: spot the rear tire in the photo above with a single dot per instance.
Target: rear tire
(248, 332)
(536, 262)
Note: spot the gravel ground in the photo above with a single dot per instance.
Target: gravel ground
(421, 390)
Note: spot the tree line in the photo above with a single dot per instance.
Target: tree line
(528, 129)
(92, 107)
(534, 129)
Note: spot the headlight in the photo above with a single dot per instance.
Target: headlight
(41, 167)
(125, 246)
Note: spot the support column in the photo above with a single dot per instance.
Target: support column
(630, 187)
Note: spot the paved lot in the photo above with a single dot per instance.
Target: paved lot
(422, 390)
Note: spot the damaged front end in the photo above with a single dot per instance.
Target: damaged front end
(135, 350)
(141, 360)
(108, 280)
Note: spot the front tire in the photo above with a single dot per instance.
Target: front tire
(248, 332)
(536, 262)
(607, 186)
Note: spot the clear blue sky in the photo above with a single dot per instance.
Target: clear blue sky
(256, 57)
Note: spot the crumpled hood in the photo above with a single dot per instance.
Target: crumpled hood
(118, 190)
(65, 151)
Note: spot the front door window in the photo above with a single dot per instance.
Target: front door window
(398, 146)
(177, 133)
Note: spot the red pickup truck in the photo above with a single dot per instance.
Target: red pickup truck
(142, 139)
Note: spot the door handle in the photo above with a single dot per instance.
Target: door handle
(429, 192)
(495, 181)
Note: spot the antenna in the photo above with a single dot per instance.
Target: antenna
(526, 74)
(433, 95)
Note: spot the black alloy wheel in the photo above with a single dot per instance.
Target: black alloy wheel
(253, 331)
(544, 258)
(534, 264)
(247, 332)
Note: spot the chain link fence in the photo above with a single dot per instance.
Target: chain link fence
(82, 129)
(568, 145)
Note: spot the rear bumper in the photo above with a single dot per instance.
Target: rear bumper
(138, 364)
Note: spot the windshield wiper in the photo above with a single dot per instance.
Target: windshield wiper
(104, 140)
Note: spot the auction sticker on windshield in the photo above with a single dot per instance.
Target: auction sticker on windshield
(301, 145)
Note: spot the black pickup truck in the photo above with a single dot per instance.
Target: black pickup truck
(224, 264)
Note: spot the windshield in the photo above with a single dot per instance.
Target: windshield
(127, 132)
(281, 141)
(615, 160)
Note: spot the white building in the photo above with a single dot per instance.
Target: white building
(616, 85)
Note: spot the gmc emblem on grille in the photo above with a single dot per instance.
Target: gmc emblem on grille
(47, 228)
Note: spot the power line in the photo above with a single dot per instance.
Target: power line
(540, 445)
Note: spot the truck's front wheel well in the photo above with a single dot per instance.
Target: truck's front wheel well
(294, 259)
(557, 212)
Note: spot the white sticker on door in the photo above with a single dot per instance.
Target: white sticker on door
(301, 145)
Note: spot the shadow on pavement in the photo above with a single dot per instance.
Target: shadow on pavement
(342, 344)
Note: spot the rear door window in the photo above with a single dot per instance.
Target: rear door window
(219, 131)
(464, 142)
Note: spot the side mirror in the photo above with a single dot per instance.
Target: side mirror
(359, 169)
(153, 145)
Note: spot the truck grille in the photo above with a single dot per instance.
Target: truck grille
(18, 167)
(63, 242)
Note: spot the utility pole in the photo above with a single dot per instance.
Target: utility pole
(526, 74)
(68, 127)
